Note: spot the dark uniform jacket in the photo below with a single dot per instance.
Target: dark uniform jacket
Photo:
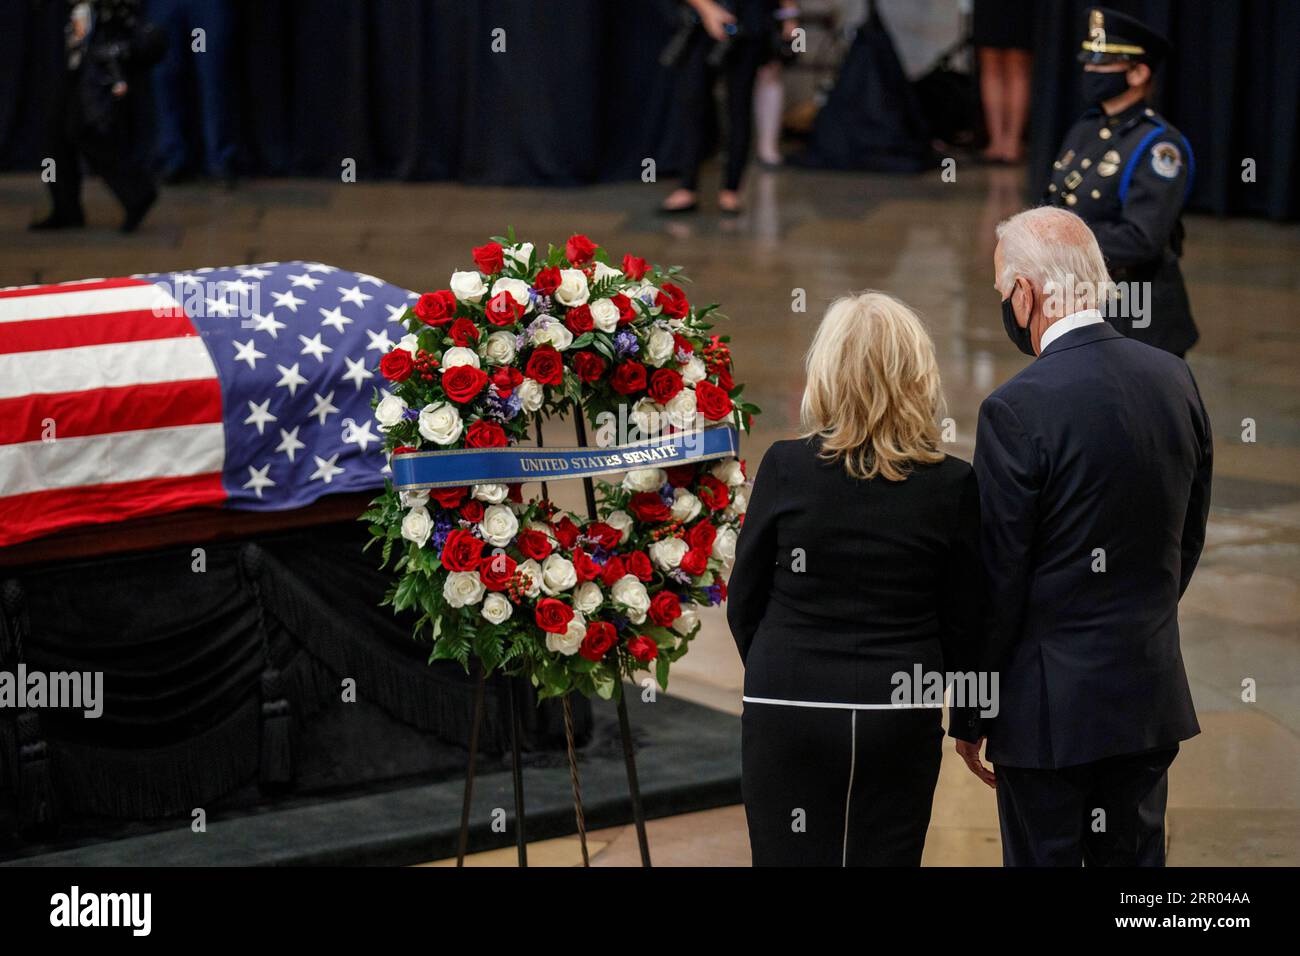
(1128, 175)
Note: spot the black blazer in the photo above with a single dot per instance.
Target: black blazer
(839, 584)
(1094, 477)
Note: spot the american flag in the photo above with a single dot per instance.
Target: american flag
(245, 387)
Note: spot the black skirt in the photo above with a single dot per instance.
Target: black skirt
(1004, 24)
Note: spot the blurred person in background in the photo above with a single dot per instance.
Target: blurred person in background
(108, 47)
(1004, 36)
(207, 56)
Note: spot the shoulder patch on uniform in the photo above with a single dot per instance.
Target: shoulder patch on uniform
(1166, 160)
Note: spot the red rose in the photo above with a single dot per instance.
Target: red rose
(553, 616)
(682, 344)
(628, 377)
(548, 280)
(566, 532)
(489, 258)
(713, 493)
(626, 311)
(713, 403)
(461, 551)
(404, 449)
(664, 384)
(725, 381)
(665, 608)
(601, 636)
(579, 319)
(613, 570)
(634, 267)
(638, 563)
(606, 536)
(463, 382)
(484, 434)
(695, 561)
(680, 476)
(579, 249)
(506, 379)
(702, 536)
(436, 308)
(721, 585)
(397, 365)
(496, 571)
(502, 309)
(584, 567)
(464, 332)
(545, 366)
(673, 301)
(588, 366)
(643, 648)
(448, 497)
(533, 544)
(648, 506)
(472, 511)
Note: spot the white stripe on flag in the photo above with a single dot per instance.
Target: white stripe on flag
(105, 366)
(112, 458)
(60, 305)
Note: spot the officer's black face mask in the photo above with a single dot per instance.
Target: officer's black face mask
(1020, 337)
(1100, 87)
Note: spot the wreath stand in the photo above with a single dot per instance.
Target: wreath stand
(514, 695)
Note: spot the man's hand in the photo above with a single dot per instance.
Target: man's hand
(119, 89)
(970, 752)
(715, 17)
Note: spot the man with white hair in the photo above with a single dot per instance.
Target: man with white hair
(1094, 475)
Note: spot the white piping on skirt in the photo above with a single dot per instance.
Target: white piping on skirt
(848, 797)
(836, 706)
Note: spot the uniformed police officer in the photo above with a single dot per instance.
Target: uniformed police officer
(1127, 171)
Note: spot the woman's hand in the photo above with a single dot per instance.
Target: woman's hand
(715, 17)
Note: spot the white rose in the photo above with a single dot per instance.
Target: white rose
(500, 348)
(667, 553)
(604, 315)
(519, 254)
(389, 412)
(644, 479)
(724, 545)
(604, 272)
(659, 347)
(587, 597)
(568, 642)
(646, 293)
(681, 408)
(729, 472)
(496, 608)
(467, 286)
(622, 522)
(440, 423)
(739, 502)
(410, 342)
(548, 331)
(573, 287)
(499, 525)
(693, 370)
(647, 417)
(414, 499)
(531, 572)
(542, 528)
(687, 621)
(686, 507)
(558, 574)
(462, 588)
(530, 394)
(417, 526)
(517, 288)
(631, 593)
(458, 355)
(493, 494)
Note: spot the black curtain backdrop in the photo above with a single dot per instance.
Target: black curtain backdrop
(411, 89)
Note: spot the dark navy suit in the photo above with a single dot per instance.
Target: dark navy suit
(1094, 468)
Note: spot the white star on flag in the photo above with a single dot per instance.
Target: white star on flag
(266, 323)
(289, 442)
(247, 352)
(314, 346)
(335, 318)
(305, 281)
(325, 468)
(290, 378)
(287, 300)
(357, 372)
(379, 341)
(257, 479)
(324, 406)
(395, 312)
(354, 295)
(360, 435)
(259, 415)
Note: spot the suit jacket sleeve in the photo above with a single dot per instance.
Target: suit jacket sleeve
(1198, 503)
(961, 608)
(1009, 475)
(1152, 204)
(751, 575)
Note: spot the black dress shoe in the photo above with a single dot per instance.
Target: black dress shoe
(59, 221)
(135, 214)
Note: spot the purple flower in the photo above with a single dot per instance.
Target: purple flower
(714, 591)
(625, 344)
(442, 525)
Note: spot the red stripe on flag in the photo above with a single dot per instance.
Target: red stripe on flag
(23, 517)
(71, 287)
(102, 328)
(100, 411)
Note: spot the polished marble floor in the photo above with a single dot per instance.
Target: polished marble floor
(1235, 790)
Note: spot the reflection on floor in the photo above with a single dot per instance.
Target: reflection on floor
(1235, 789)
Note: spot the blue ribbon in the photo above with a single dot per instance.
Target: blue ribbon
(468, 466)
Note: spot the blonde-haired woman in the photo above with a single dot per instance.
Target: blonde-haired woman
(856, 571)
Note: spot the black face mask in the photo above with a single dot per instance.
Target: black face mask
(1021, 338)
(1099, 87)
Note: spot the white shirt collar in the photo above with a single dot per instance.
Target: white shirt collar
(1076, 320)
